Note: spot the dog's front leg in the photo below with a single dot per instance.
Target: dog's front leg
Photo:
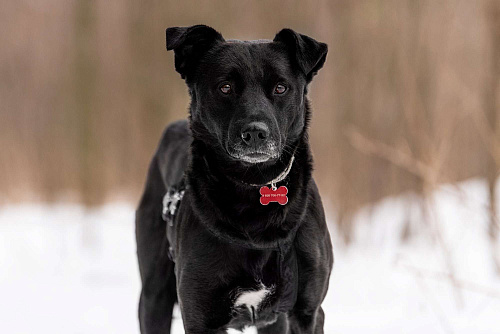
(205, 331)
(202, 308)
(200, 320)
(279, 327)
(307, 321)
(196, 323)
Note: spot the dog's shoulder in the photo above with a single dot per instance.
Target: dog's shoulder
(313, 238)
(172, 152)
(175, 131)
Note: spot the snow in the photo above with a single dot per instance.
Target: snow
(64, 269)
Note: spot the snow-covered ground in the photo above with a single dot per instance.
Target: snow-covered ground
(64, 269)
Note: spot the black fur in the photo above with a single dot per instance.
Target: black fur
(223, 240)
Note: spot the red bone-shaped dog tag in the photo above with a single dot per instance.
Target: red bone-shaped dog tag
(270, 195)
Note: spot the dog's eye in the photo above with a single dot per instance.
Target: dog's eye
(225, 88)
(280, 89)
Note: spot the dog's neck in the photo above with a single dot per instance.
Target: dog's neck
(272, 183)
(234, 176)
(232, 191)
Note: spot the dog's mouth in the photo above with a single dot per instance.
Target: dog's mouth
(254, 157)
(254, 154)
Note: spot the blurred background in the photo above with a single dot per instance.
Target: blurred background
(405, 136)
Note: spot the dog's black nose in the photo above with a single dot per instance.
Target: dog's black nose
(255, 133)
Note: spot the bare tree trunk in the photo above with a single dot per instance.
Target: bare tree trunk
(85, 105)
(490, 103)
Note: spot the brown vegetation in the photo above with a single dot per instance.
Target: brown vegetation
(408, 97)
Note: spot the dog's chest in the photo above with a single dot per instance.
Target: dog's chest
(273, 288)
(252, 299)
(252, 305)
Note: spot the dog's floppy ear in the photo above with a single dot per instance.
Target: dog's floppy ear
(309, 54)
(189, 44)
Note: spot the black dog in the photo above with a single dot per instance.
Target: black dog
(229, 257)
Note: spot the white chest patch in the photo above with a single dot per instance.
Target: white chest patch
(252, 299)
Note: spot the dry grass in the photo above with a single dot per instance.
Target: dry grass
(87, 87)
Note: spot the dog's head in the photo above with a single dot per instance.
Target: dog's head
(248, 97)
